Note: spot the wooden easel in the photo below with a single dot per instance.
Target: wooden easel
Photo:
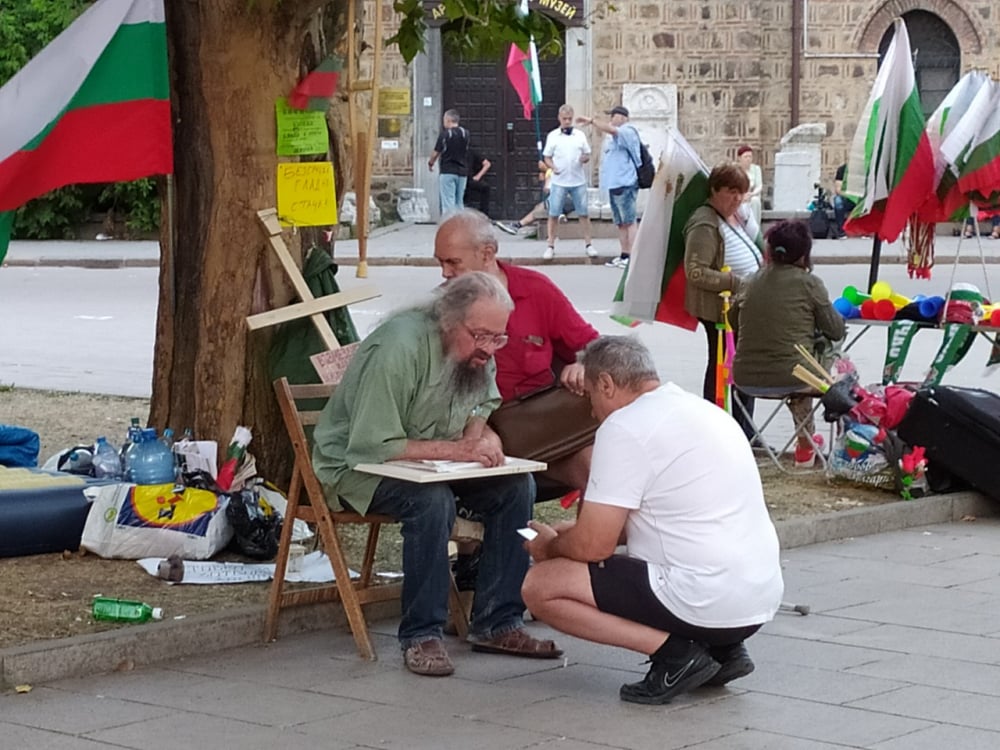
(311, 307)
(362, 140)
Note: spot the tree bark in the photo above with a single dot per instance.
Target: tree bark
(229, 61)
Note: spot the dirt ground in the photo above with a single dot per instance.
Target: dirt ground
(49, 596)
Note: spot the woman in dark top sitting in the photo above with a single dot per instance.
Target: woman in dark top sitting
(780, 306)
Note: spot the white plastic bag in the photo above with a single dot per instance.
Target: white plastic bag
(134, 521)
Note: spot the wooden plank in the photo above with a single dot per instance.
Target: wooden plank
(313, 306)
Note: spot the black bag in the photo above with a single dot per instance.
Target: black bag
(256, 525)
(960, 430)
(645, 170)
(819, 224)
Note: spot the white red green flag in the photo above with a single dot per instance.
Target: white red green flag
(890, 169)
(980, 171)
(92, 106)
(522, 72)
(655, 282)
(946, 128)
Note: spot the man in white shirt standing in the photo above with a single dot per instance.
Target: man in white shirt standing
(566, 151)
(674, 480)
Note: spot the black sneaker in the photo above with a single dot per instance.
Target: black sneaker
(735, 661)
(667, 679)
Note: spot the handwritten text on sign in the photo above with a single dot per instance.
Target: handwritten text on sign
(306, 194)
(300, 131)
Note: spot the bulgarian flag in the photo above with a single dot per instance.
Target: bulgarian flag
(522, 71)
(950, 131)
(315, 90)
(890, 169)
(92, 106)
(655, 281)
(980, 174)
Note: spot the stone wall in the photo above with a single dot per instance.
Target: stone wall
(731, 64)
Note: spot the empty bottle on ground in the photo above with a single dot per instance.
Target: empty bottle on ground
(151, 461)
(123, 610)
(106, 463)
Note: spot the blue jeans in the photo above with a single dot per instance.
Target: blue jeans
(427, 512)
(842, 207)
(557, 199)
(623, 205)
(451, 188)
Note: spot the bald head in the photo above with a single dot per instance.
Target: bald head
(465, 242)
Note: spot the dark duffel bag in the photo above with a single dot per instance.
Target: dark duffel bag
(960, 430)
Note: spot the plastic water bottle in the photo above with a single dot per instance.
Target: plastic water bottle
(123, 610)
(106, 463)
(131, 438)
(167, 438)
(151, 462)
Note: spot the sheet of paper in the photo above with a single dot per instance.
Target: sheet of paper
(316, 568)
(195, 455)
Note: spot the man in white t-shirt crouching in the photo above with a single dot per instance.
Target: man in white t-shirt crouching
(672, 478)
(566, 151)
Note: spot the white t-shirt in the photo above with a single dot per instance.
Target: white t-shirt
(565, 151)
(685, 470)
(742, 255)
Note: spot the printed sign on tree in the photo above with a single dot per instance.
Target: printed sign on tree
(300, 131)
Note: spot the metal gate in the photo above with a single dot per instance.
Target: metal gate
(491, 111)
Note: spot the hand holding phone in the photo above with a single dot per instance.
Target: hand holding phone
(528, 533)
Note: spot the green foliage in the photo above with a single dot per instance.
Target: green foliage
(475, 29)
(55, 215)
(28, 25)
(137, 202)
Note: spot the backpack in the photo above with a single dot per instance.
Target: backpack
(645, 170)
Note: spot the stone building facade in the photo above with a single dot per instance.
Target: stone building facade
(739, 72)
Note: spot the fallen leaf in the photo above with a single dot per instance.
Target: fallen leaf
(22, 688)
(969, 518)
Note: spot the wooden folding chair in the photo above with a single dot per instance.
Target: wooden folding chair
(314, 510)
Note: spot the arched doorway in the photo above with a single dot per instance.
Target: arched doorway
(491, 111)
(937, 58)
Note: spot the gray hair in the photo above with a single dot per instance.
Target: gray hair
(451, 307)
(624, 358)
(566, 109)
(452, 114)
(475, 224)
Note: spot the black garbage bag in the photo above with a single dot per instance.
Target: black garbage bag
(256, 523)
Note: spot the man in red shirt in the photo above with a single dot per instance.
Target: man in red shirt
(545, 330)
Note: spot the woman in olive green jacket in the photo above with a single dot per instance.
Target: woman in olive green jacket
(782, 305)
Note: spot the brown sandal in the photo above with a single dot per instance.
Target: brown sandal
(428, 658)
(519, 643)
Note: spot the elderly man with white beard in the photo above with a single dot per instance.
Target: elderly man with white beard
(421, 386)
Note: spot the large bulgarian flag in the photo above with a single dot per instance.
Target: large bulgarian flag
(92, 106)
(890, 169)
(655, 280)
(522, 72)
(950, 131)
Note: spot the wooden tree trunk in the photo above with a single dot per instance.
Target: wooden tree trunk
(229, 60)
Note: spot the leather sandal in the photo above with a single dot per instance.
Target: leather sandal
(428, 658)
(519, 643)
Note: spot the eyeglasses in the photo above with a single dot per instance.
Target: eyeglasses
(496, 340)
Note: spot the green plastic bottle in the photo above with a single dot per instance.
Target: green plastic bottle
(122, 610)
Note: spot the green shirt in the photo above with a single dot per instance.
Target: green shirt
(394, 390)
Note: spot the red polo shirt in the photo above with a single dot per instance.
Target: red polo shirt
(543, 325)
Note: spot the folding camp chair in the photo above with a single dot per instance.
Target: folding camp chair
(314, 510)
(782, 400)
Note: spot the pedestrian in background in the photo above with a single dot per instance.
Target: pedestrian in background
(452, 148)
(477, 190)
(566, 151)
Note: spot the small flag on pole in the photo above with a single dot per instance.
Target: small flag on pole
(315, 90)
(522, 71)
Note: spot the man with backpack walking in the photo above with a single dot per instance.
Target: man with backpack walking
(621, 157)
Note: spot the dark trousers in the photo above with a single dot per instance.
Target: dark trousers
(477, 195)
(708, 388)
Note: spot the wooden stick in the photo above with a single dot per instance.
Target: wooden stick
(815, 363)
(809, 379)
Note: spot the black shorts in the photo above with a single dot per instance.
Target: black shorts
(621, 587)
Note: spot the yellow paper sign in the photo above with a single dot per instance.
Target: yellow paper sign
(394, 101)
(306, 194)
(300, 131)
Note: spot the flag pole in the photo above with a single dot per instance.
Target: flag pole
(876, 258)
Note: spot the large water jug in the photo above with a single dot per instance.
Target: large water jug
(152, 462)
